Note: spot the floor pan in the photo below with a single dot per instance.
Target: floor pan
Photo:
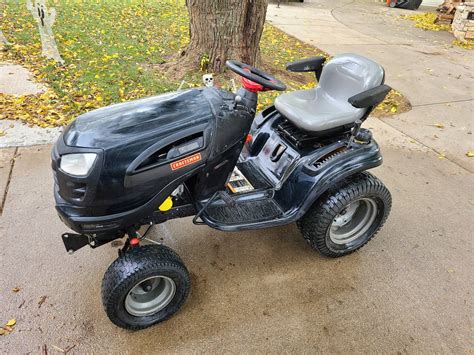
(244, 212)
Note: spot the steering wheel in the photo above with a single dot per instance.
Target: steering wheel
(254, 79)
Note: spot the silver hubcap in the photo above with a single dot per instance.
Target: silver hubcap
(150, 296)
(353, 221)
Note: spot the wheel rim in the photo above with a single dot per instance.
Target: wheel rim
(353, 221)
(150, 296)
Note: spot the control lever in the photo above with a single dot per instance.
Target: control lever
(237, 101)
(355, 130)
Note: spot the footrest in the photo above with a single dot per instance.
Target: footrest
(243, 212)
(227, 198)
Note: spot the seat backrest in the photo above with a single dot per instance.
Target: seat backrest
(349, 74)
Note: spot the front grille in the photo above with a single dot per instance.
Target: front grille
(70, 190)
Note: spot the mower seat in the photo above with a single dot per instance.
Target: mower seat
(326, 108)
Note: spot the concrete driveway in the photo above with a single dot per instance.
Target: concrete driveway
(408, 291)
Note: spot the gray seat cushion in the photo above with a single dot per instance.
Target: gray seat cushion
(326, 107)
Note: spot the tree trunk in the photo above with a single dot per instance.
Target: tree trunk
(224, 29)
(3, 39)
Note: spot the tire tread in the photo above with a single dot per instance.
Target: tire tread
(314, 224)
(131, 265)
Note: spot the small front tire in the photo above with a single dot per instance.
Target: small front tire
(348, 216)
(144, 286)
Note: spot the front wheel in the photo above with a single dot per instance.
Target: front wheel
(346, 218)
(144, 286)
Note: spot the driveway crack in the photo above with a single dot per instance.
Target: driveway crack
(7, 186)
(442, 103)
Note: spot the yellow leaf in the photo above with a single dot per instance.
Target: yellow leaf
(470, 154)
(3, 331)
(15, 289)
(11, 322)
(393, 109)
(438, 125)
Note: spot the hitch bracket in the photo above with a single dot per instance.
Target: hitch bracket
(73, 242)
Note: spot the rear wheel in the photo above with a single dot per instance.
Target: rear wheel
(144, 286)
(411, 4)
(346, 218)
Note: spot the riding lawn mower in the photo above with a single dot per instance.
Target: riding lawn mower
(205, 153)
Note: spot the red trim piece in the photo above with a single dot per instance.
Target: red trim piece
(250, 85)
(134, 242)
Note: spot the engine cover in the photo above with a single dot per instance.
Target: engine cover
(143, 147)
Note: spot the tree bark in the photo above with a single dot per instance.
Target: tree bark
(3, 39)
(224, 29)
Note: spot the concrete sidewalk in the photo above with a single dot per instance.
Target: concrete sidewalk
(436, 77)
(16, 133)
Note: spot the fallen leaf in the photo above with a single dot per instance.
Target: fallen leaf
(41, 301)
(16, 289)
(58, 349)
(450, 271)
(438, 125)
(11, 322)
(470, 154)
(3, 332)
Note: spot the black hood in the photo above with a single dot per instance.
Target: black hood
(138, 120)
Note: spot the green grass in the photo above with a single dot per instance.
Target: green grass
(111, 50)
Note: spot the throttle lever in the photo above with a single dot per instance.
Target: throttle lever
(354, 132)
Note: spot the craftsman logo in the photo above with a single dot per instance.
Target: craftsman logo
(186, 161)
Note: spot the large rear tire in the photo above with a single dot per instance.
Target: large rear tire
(411, 4)
(347, 217)
(144, 286)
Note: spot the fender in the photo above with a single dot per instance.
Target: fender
(335, 171)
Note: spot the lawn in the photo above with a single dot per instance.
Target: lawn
(112, 51)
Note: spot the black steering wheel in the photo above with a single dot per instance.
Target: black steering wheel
(256, 75)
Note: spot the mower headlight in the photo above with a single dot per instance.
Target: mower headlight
(78, 164)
